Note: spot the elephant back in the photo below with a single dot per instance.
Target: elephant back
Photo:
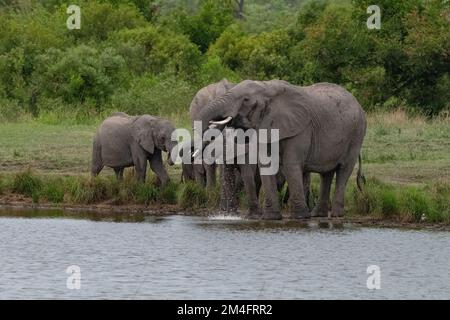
(207, 94)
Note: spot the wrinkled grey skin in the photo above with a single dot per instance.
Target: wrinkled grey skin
(321, 129)
(232, 177)
(124, 141)
(204, 174)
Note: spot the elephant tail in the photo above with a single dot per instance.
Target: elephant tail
(182, 180)
(360, 179)
(97, 162)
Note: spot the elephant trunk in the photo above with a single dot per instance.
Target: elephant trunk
(172, 150)
(219, 109)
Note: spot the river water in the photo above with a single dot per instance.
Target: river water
(180, 257)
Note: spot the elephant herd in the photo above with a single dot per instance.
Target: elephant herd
(319, 128)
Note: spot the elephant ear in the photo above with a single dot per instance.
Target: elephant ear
(142, 132)
(291, 113)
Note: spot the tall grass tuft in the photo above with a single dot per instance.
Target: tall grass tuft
(414, 204)
(168, 194)
(93, 190)
(192, 196)
(144, 193)
(27, 183)
(54, 190)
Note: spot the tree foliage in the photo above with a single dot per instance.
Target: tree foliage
(177, 46)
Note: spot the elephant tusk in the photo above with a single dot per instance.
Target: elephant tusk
(222, 122)
(212, 126)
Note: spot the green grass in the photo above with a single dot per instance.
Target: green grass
(405, 159)
(192, 195)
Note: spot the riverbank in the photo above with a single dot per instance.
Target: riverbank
(139, 213)
(406, 161)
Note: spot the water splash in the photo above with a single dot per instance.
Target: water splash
(224, 217)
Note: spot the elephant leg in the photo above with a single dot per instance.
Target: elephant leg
(228, 194)
(321, 210)
(140, 164)
(271, 204)
(199, 174)
(157, 166)
(247, 173)
(307, 188)
(119, 173)
(210, 175)
(297, 203)
(342, 176)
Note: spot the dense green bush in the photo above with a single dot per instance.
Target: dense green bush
(162, 95)
(79, 74)
(155, 50)
(45, 67)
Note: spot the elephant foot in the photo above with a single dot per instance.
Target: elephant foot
(300, 213)
(271, 215)
(253, 214)
(228, 206)
(337, 212)
(319, 212)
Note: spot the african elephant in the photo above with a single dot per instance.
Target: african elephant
(124, 141)
(245, 174)
(205, 174)
(321, 129)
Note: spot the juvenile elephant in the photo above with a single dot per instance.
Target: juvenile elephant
(124, 141)
(205, 174)
(321, 129)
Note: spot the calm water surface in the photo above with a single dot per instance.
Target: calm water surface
(206, 258)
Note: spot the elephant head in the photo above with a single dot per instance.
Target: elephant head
(152, 132)
(268, 105)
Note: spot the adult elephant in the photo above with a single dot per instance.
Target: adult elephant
(321, 129)
(124, 141)
(205, 174)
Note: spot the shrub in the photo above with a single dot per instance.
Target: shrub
(156, 50)
(92, 190)
(389, 202)
(192, 196)
(414, 203)
(168, 194)
(27, 183)
(149, 95)
(10, 110)
(144, 193)
(53, 190)
(368, 201)
(79, 74)
(441, 200)
(213, 70)
(99, 19)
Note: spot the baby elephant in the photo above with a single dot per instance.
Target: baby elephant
(125, 141)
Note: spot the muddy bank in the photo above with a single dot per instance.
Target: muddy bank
(14, 205)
